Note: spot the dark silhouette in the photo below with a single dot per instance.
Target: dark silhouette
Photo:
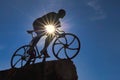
(39, 28)
(62, 44)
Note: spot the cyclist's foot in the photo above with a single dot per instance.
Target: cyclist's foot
(45, 53)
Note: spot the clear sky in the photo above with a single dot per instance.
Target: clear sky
(95, 22)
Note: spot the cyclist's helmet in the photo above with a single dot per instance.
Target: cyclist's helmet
(61, 13)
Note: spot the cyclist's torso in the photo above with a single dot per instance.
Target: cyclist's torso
(50, 18)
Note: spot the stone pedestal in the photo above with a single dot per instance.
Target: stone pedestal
(49, 70)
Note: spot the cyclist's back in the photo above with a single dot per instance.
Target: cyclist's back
(50, 18)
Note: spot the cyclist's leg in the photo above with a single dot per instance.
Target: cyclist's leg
(33, 42)
(48, 40)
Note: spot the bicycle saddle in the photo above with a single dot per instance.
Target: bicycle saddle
(30, 31)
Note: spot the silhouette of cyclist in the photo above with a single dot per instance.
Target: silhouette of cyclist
(39, 29)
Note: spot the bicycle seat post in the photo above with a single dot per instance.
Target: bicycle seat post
(32, 35)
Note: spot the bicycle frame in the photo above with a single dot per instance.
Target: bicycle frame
(62, 43)
(57, 33)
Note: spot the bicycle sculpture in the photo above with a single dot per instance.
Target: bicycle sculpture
(64, 46)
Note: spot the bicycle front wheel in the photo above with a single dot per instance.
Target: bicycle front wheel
(66, 46)
(21, 57)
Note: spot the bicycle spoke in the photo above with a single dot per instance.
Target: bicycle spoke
(18, 55)
(66, 40)
(25, 49)
(73, 48)
(16, 62)
(66, 52)
(72, 41)
(59, 50)
(58, 43)
(61, 42)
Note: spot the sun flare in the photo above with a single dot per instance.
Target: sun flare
(50, 29)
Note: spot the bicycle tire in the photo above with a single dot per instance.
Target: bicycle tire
(63, 40)
(21, 52)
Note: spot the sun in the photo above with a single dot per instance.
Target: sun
(50, 28)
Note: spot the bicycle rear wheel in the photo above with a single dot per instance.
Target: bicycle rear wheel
(66, 46)
(21, 57)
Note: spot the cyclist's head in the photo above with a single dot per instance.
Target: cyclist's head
(61, 13)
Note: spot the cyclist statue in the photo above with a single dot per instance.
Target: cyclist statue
(65, 45)
(39, 29)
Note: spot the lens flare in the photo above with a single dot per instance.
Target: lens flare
(50, 29)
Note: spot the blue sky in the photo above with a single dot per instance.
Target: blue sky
(95, 22)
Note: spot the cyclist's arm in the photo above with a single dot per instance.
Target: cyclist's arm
(58, 24)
